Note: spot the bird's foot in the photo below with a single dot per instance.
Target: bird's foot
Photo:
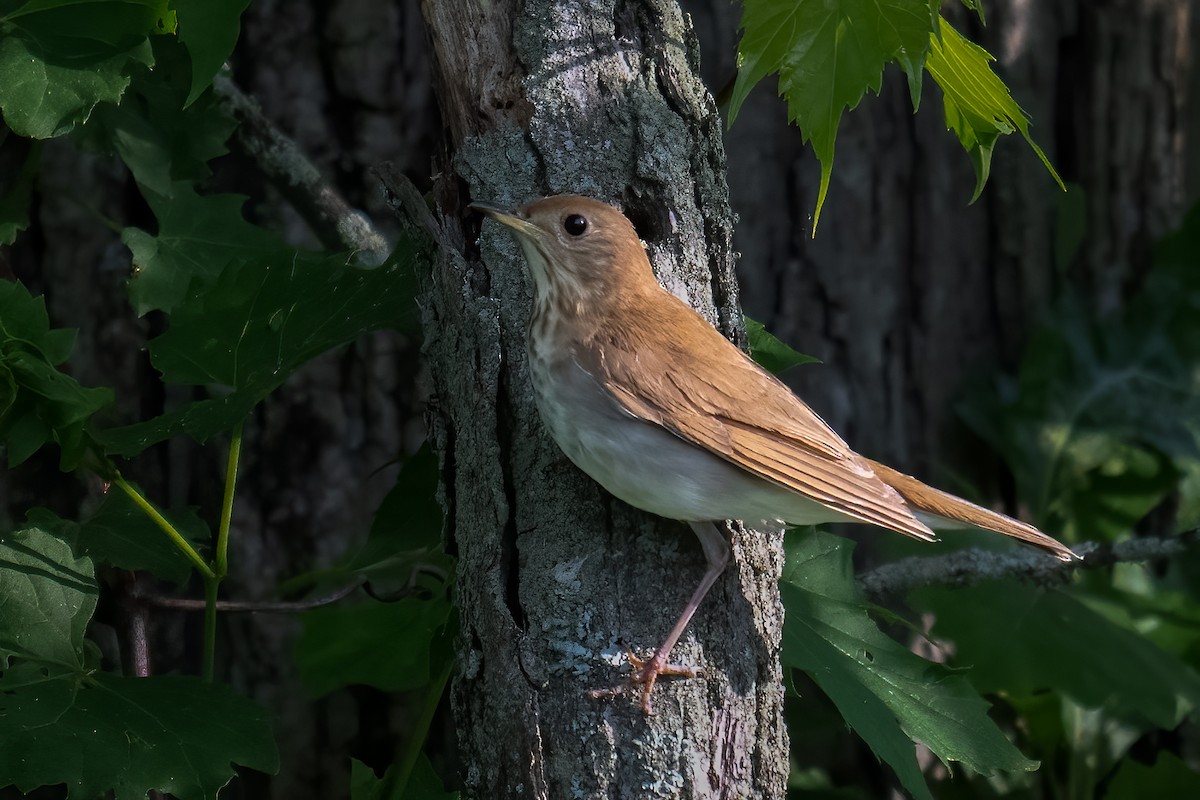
(645, 673)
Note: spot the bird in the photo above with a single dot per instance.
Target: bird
(645, 396)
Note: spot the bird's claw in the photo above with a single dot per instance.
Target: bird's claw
(645, 673)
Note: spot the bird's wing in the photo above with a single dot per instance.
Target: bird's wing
(736, 410)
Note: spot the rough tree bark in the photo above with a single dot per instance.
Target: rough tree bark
(598, 98)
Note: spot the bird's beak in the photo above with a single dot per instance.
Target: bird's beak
(506, 218)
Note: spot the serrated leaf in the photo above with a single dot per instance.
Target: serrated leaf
(198, 237)
(58, 59)
(340, 645)
(246, 330)
(48, 596)
(1020, 639)
(260, 320)
(38, 403)
(201, 420)
(828, 54)
(209, 30)
(169, 733)
(167, 147)
(977, 104)
(887, 694)
(82, 28)
(771, 353)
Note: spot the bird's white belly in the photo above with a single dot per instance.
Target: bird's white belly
(651, 468)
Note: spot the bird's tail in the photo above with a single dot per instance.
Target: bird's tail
(940, 509)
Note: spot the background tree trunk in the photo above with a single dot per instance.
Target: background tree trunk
(907, 292)
(602, 99)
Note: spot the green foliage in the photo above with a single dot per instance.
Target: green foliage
(209, 30)
(120, 535)
(18, 168)
(59, 59)
(1169, 777)
(402, 558)
(254, 324)
(49, 596)
(1024, 640)
(888, 695)
(340, 645)
(829, 54)
(1099, 425)
(243, 312)
(39, 404)
(170, 733)
(771, 353)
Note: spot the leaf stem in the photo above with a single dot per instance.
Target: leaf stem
(231, 469)
(172, 532)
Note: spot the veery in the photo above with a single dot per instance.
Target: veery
(647, 398)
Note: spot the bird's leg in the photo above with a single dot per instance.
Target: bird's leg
(647, 671)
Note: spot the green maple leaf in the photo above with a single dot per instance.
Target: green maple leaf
(828, 54)
(977, 104)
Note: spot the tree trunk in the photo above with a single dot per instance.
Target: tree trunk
(601, 99)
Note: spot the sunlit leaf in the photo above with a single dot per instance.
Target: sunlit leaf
(771, 353)
(977, 104)
(827, 56)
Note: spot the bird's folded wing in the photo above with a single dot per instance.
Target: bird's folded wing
(736, 410)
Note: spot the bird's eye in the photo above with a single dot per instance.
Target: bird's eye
(575, 224)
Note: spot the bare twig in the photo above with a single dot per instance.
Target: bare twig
(967, 567)
(331, 218)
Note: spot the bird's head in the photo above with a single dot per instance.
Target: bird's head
(579, 249)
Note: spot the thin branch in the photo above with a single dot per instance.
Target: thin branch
(264, 606)
(331, 218)
(967, 567)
